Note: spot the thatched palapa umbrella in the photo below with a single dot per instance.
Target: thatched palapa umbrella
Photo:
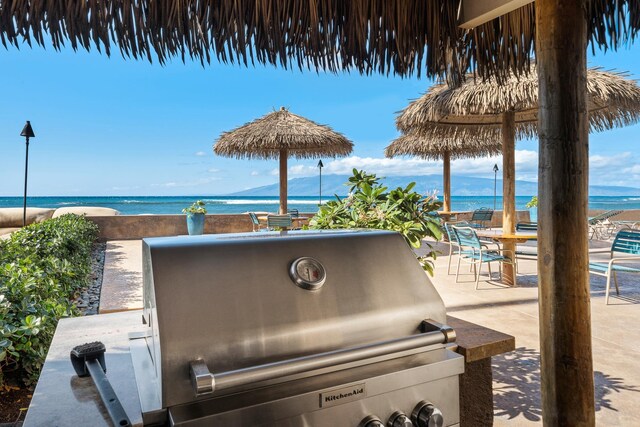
(446, 149)
(282, 134)
(487, 110)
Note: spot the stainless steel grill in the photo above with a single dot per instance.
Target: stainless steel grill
(328, 328)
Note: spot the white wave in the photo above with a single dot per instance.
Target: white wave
(261, 202)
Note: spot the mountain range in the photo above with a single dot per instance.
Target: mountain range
(460, 186)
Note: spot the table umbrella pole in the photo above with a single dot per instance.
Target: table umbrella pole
(446, 181)
(509, 190)
(283, 181)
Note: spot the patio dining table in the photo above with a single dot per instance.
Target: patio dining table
(509, 240)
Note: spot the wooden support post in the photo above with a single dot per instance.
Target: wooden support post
(283, 181)
(509, 191)
(565, 317)
(446, 181)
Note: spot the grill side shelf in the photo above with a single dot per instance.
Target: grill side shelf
(204, 382)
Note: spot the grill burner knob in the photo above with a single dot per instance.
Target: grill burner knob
(398, 419)
(371, 421)
(427, 415)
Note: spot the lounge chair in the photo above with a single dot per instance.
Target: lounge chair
(278, 221)
(476, 254)
(600, 225)
(481, 218)
(625, 242)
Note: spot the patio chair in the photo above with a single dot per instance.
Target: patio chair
(481, 217)
(476, 254)
(454, 245)
(452, 239)
(255, 222)
(278, 221)
(527, 226)
(293, 212)
(600, 225)
(626, 242)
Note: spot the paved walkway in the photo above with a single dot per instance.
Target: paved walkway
(122, 276)
(616, 332)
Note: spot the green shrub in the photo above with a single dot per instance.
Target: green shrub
(42, 267)
(369, 205)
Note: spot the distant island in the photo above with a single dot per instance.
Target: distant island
(460, 186)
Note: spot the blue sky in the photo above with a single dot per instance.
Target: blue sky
(109, 126)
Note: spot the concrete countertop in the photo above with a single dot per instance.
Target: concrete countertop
(63, 399)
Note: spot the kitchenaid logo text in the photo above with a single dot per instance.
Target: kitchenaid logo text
(342, 395)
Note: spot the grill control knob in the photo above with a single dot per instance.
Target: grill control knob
(398, 419)
(427, 415)
(371, 421)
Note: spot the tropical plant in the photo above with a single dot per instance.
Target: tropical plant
(533, 203)
(370, 205)
(197, 207)
(42, 267)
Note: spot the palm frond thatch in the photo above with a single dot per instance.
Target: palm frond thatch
(265, 137)
(403, 37)
(474, 109)
(435, 149)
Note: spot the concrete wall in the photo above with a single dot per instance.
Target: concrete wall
(126, 227)
(626, 215)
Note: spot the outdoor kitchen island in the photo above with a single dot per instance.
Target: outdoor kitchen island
(63, 399)
(310, 328)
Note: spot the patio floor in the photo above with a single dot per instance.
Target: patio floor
(516, 376)
(615, 330)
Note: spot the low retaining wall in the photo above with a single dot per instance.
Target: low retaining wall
(626, 215)
(128, 227)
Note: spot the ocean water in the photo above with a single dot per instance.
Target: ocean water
(134, 205)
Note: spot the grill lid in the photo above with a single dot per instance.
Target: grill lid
(240, 300)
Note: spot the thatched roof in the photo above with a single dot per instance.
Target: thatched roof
(434, 149)
(263, 138)
(404, 37)
(474, 109)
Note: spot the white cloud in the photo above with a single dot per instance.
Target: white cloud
(255, 173)
(201, 154)
(604, 162)
(213, 170)
(618, 169)
(526, 163)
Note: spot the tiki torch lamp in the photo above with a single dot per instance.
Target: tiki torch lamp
(27, 132)
(495, 184)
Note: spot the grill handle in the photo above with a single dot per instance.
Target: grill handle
(204, 382)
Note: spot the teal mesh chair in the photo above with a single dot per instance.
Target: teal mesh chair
(452, 239)
(481, 218)
(257, 226)
(626, 242)
(279, 221)
(476, 254)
